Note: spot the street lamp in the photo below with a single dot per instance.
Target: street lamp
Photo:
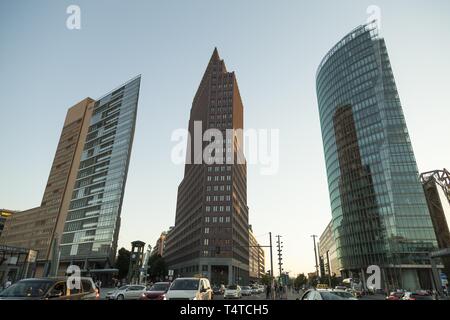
(315, 254)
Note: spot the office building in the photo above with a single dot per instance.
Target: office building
(380, 214)
(4, 214)
(210, 235)
(328, 259)
(256, 258)
(78, 219)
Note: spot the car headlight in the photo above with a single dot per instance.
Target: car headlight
(164, 297)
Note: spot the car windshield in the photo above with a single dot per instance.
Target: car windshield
(343, 294)
(28, 289)
(159, 287)
(232, 287)
(246, 288)
(185, 284)
(330, 296)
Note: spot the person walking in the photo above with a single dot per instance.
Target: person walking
(8, 283)
(267, 292)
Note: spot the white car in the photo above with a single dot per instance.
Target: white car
(232, 291)
(190, 289)
(246, 291)
(128, 292)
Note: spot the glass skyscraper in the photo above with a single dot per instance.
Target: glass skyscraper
(380, 214)
(92, 225)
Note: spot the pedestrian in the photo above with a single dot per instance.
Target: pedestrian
(8, 283)
(267, 291)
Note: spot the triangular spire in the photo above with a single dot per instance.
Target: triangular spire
(215, 55)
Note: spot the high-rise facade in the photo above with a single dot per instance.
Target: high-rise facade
(380, 214)
(210, 235)
(256, 258)
(328, 260)
(87, 179)
(4, 214)
(92, 225)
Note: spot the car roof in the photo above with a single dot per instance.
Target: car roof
(53, 279)
(190, 278)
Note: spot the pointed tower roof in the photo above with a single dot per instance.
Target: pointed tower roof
(215, 55)
(213, 61)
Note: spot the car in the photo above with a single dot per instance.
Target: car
(50, 289)
(343, 294)
(254, 289)
(419, 295)
(246, 291)
(127, 292)
(156, 292)
(313, 294)
(190, 289)
(232, 291)
(261, 289)
(341, 288)
(218, 290)
(397, 295)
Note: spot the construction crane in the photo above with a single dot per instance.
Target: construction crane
(430, 181)
(441, 177)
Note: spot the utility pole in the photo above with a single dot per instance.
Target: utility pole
(315, 254)
(271, 266)
(329, 268)
(280, 258)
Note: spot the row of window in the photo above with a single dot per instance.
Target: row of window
(217, 220)
(218, 198)
(219, 188)
(218, 208)
(218, 178)
(219, 168)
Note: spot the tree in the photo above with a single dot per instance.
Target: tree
(266, 279)
(157, 267)
(123, 262)
(300, 281)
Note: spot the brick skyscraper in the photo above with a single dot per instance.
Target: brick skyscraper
(211, 236)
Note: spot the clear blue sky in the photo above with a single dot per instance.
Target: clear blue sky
(274, 47)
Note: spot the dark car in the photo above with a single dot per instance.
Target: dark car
(314, 294)
(417, 296)
(397, 295)
(50, 288)
(218, 290)
(156, 291)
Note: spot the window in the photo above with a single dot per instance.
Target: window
(207, 219)
(206, 242)
(206, 230)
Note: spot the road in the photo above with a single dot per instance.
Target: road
(262, 296)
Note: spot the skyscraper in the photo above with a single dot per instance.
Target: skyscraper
(380, 215)
(79, 216)
(210, 235)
